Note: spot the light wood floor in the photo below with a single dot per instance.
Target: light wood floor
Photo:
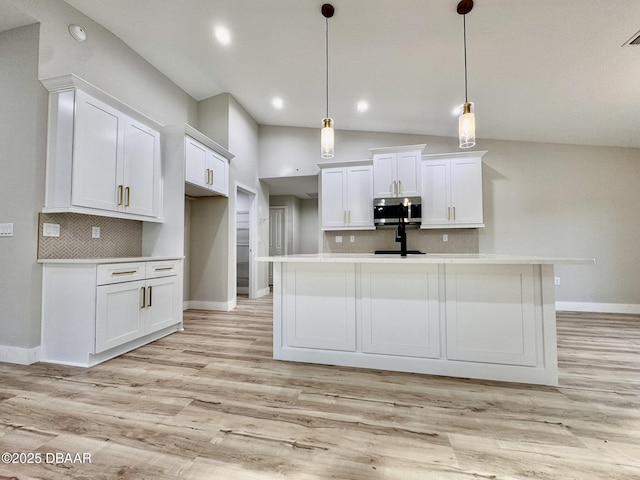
(210, 403)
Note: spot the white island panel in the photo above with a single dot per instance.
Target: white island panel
(490, 314)
(400, 310)
(320, 307)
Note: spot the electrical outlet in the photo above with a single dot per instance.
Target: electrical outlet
(6, 229)
(50, 230)
(556, 281)
(95, 232)
(352, 238)
(445, 237)
(338, 238)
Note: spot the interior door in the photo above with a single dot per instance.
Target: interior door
(277, 232)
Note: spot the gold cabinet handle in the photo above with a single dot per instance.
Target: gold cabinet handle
(207, 175)
(144, 297)
(128, 272)
(119, 194)
(399, 187)
(454, 214)
(448, 213)
(395, 188)
(348, 216)
(127, 196)
(212, 178)
(150, 294)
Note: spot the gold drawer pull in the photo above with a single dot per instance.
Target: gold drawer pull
(128, 272)
(162, 269)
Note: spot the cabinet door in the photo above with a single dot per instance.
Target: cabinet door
(408, 173)
(219, 180)
(319, 306)
(162, 299)
(360, 196)
(333, 197)
(466, 190)
(384, 175)
(436, 209)
(96, 150)
(196, 163)
(490, 314)
(119, 314)
(142, 169)
(400, 310)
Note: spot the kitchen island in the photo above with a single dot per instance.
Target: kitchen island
(463, 315)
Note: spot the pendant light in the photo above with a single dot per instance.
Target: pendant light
(467, 120)
(326, 135)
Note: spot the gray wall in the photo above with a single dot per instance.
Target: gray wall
(539, 199)
(22, 165)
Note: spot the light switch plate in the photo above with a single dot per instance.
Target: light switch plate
(50, 230)
(6, 229)
(95, 232)
(338, 238)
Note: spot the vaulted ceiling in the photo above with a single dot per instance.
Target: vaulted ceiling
(543, 70)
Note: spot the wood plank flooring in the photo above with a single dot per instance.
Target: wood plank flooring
(210, 403)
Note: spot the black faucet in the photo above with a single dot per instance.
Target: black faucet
(401, 233)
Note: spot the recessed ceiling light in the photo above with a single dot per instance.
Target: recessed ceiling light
(278, 103)
(362, 106)
(223, 35)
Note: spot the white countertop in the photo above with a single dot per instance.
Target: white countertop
(97, 261)
(461, 258)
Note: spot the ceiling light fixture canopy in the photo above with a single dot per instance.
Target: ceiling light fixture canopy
(467, 120)
(326, 135)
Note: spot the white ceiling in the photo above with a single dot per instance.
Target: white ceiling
(543, 70)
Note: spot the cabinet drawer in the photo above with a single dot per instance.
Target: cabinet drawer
(120, 272)
(162, 268)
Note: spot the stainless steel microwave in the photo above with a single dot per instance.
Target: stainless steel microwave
(390, 210)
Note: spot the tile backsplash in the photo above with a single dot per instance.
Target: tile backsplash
(427, 241)
(118, 237)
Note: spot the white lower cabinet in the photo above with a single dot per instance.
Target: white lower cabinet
(92, 313)
(480, 321)
(400, 310)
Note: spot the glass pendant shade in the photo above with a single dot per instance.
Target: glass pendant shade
(467, 126)
(326, 138)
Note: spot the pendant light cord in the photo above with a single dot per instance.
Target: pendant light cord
(464, 26)
(326, 43)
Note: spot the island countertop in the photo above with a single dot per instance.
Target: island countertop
(429, 258)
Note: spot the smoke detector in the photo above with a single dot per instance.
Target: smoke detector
(77, 32)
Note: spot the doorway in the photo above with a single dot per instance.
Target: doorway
(245, 242)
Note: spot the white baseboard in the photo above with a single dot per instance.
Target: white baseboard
(18, 355)
(215, 306)
(598, 307)
(262, 292)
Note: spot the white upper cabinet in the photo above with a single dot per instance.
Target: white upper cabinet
(452, 190)
(396, 171)
(206, 171)
(100, 160)
(347, 197)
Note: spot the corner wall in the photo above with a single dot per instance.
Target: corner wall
(23, 127)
